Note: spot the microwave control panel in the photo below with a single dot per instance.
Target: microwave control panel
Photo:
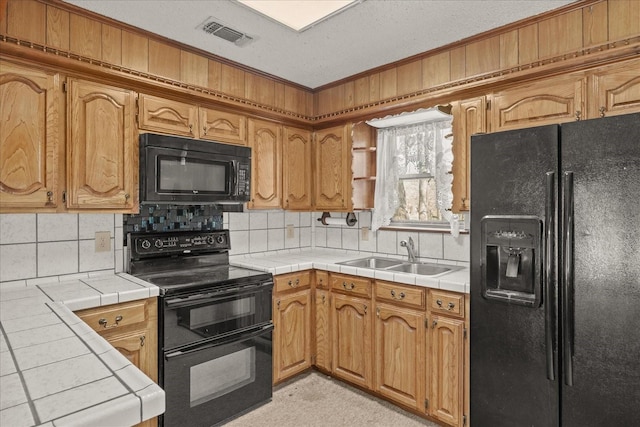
(244, 179)
(149, 244)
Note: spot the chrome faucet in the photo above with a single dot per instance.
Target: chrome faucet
(411, 250)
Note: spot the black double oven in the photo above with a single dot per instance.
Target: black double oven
(215, 326)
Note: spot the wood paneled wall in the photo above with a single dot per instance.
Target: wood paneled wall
(556, 37)
(590, 24)
(55, 25)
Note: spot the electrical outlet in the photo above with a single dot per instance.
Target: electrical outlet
(364, 234)
(103, 241)
(290, 231)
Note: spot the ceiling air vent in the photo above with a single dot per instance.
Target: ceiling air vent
(218, 29)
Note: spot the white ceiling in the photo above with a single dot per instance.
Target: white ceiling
(371, 34)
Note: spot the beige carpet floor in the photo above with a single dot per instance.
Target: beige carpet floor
(316, 400)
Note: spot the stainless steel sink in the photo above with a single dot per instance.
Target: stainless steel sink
(424, 269)
(372, 262)
(389, 264)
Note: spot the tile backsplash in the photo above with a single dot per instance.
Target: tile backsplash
(34, 246)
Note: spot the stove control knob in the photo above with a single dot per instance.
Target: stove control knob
(158, 244)
(220, 239)
(210, 240)
(145, 244)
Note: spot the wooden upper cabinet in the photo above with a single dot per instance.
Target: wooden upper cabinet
(223, 126)
(102, 148)
(469, 117)
(332, 169)
(29, 138)
(296, 168)
(162, 115)
(616, 90)
(555, 100)
(265, 140)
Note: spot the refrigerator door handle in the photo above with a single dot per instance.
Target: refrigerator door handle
(549, 261)
(567, 282)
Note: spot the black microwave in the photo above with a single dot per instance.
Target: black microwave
(176, 170)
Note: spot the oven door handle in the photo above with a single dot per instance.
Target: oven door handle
(186, 301)
(222, 341)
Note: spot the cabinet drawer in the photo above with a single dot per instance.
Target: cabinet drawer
(446, 302)
(410, 296)
(113, 317)
(293, 281)
(351, 285)
(322, 280)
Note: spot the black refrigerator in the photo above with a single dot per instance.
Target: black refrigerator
(555, 275)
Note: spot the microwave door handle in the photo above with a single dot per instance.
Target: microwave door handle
(234, 174)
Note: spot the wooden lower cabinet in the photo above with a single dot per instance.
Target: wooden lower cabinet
(447, 370)
(292, 325)
(322, 344)
(400, 355)
(132, 329)
(351, 337)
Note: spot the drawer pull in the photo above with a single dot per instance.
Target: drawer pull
(399, 297)
(349, 287)
(450, 306)
(105, 324)
(294, 284)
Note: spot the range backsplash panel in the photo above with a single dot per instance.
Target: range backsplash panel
(173, 217)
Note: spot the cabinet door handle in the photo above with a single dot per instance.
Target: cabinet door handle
(323, 298)
(204, 130)
(602, 110)
(365, 309)
(190, 128)
(433, 324)
(142, 338)
(399, 297)
(378, 312)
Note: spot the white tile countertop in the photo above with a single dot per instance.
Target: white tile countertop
(56, 371)
(287, 261)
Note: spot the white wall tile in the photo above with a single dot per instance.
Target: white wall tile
(88, 224)
(275, 237)
(294, 241)
(350, 238)
(305, 237)
(275, 219)
(239, 242)
(17, 261)
(292, 218)
(457, 248)
(57, 227)
(17, 228)
(305, 219)
(364, 219)
(320, 236)
(91, 260)
(57, 258)
(258, 221)
(387, 241)
(431, 245)
(238, 221)
(334, 237)
(370, 245)
(257, 241)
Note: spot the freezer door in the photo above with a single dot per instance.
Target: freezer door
(601, 260)
(512, 342)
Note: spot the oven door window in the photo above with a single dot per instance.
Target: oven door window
(219, 379)
(189, 322)
(187, 175)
